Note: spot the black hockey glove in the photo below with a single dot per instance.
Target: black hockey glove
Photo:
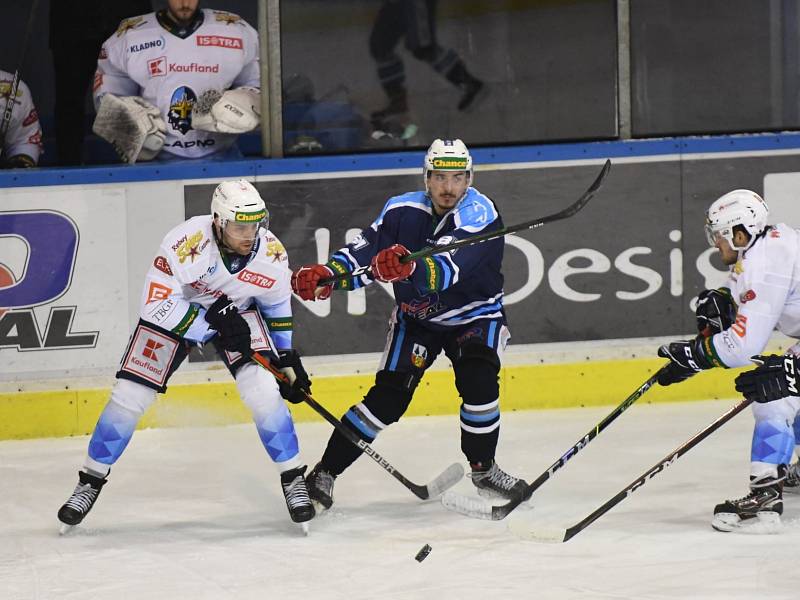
(234, 333)
(773, 379)
(299, 384)
(716, 311)
(685, 359)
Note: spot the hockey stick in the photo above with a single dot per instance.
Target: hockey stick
(12, 92)
(478, 509)
(571, 210)
(562, 535)
(448, 478)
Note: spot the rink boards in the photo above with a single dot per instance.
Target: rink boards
(75, 244)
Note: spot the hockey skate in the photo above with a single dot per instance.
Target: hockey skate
(791, 485)
(320, 486)
(492, 482)
(81, 501)
(393, 123)
(474, 93)
(295, 493)
(758, 512)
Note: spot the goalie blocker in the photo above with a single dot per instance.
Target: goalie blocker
(133, 126)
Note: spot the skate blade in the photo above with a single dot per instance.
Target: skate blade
(304, 528)
(65, 529)
(764, 523)
(493, 496)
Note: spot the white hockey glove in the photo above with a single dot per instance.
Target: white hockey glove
(132, 125)
(235, 111)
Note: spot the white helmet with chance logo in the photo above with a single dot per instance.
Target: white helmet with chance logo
(238, 202)
(739, 207)
(447, 155)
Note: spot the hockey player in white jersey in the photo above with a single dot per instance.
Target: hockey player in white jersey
(181, 82)
(22, 144)
(761, 295)
(222, 278)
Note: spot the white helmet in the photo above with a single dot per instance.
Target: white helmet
(239, 202)
(739, 207)
(447, 155)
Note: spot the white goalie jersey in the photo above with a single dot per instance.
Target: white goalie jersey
(188, 274)
(24, 135)
(143, 58)
(766, 287)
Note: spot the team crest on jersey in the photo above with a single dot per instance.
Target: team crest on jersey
(419, 354)
(5, 89)
(189, 248)
(180, 109)
(227, 18)
(129, 24)
(275, 250)
(422, 308)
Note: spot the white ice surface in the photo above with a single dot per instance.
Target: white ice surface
(198, 514)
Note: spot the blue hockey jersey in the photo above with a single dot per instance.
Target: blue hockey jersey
(447, 289)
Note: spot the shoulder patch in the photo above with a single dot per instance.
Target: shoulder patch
(129, 24)
(220, 16)
(162, 265)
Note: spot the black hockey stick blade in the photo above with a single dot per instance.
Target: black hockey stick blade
(478, 509)
(525, 530)
(570, 211)
(446, 479)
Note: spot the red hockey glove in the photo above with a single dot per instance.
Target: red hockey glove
(306, 279)
(386, 265)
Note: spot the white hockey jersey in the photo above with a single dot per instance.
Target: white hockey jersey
(143, 58)
(24, 135)
(188, 275)
(764, 284)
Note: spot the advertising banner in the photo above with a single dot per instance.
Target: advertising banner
(630, 264)
(63, 279)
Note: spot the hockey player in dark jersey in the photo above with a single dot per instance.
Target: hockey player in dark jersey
(451, 302)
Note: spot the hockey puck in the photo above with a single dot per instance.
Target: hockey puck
(423, 553)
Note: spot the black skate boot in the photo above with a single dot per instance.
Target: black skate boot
(759, 511)
(320, 486)
(791, 485)
(473, 93)
(296, 495)
(493, 482)
(82, 499)
(397, 107)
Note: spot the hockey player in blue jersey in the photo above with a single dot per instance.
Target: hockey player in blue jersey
(451, 302)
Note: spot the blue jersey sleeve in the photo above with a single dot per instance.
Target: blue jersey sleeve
(383, 232)
(475, 215)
